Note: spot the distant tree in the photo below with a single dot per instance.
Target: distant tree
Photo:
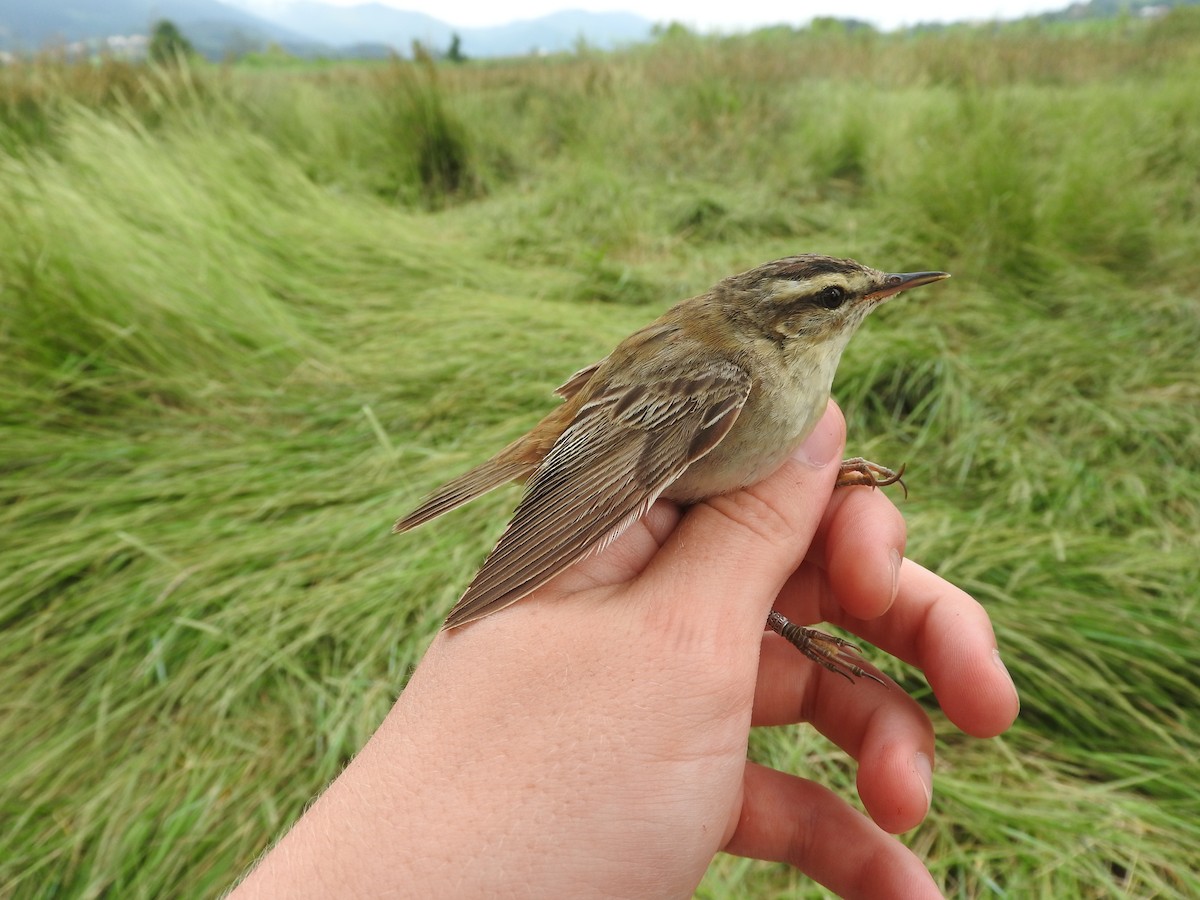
(829, 25)
(167, 43)
(455, 54)
(673, 31)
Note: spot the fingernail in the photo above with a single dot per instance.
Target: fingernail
(820, 447)
(896, 561)
(999, 663)
(924, 766)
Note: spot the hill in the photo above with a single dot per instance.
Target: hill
(305, 28)
(212, 26)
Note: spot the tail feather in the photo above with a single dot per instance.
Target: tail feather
(496, 471)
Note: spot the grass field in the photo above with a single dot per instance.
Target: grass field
(249, 315)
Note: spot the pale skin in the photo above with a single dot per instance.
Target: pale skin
(597, 747)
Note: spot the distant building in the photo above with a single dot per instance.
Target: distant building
(131, 47)
(126, 46)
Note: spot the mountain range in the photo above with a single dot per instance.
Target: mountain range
(304, 27)
(310, 28)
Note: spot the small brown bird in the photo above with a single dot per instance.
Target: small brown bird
(711, 397)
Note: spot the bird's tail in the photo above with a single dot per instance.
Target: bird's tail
(502, 468)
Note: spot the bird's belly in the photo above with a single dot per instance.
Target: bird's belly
(755, 447)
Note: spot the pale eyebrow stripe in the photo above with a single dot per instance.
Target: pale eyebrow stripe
(807, 287)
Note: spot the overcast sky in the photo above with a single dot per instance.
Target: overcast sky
(729, 15)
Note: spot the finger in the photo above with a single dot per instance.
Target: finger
(948, 634)
(734, 552)
(884, 729)
(932, 625)
(861, 543)
(787, 819)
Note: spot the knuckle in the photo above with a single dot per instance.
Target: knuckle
(761, 514)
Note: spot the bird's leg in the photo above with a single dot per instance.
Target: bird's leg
(863, 471)
(834, 653)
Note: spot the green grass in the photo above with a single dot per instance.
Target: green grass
(249, 316)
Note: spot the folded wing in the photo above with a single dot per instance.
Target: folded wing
(624, 447)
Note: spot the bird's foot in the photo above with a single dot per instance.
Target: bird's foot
(863, 471)
(834, 653)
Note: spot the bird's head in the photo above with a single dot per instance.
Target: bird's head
(812, 299)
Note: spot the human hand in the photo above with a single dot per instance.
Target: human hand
(592, 738)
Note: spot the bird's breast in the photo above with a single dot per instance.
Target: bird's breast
(779, 414)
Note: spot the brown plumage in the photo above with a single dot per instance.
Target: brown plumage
(709, 398)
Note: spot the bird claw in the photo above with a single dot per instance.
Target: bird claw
(834, 653)
(859, 471)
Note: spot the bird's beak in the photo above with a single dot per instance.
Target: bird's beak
(894, 284)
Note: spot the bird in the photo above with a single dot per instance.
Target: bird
(709, 398)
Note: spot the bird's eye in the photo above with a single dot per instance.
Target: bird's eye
(832, 297)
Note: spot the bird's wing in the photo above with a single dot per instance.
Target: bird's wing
(575, 383)
(624, 447)
(655, 331)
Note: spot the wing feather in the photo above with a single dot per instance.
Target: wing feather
(623, 449)
(463, 489)
(578, 381)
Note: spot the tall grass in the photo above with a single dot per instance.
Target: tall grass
(248, 316)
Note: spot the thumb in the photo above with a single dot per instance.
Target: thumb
(732, 554)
